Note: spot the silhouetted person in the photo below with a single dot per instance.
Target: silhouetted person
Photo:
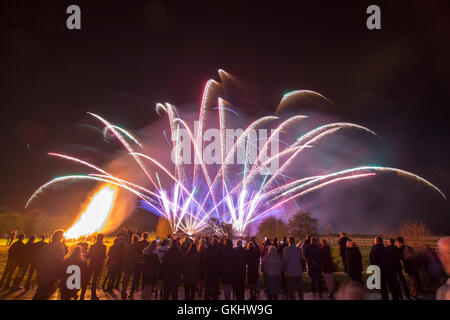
(15, 260)
(213, 266)
(77, 258)
(191, 271)
(313, 256)
(130, 235)
(227, 269)
(265, 248)
(131, 257)
(11, 237)
(150, 270)
(433, 267)
(66, 248)
(411, 265)
(25, 261)
(173, 265)
(381, 256)
(353, 261)
(293, 268)
(203, 244)
(96, 256)
(276, 243)
(139, 263)
(328, 267)
(49, 266)
(283, 244)
(34, 251)
(272, 268)
(397, 268)
(116, 255)
(443, 293)
(342, 241)
(185, 245)
(306, 242)
(239, 269)
(253, 257)
(162, 250)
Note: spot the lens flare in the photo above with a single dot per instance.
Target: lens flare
(94, 218)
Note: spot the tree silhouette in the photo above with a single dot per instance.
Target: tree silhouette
(272, 227)
(301, 224)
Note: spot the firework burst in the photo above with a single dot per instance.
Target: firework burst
(239, 194)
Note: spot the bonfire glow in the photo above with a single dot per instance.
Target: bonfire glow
(96, 214)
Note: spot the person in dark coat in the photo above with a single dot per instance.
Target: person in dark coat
(34, 251)
(77, 258)
(253, 258)
(342, 241)
(433, 267)
(185, 245)
(239, 270)
(313, 256)
(49, 266)
(328, 267)
(410, 264)
(276, 243)
(162, 250)
(227, 269)
(16, 255)
(150, 271)
(96, 256)
(24, 262)
(272, 267)
(381, 256)
(117, 276)
(265, 248)
(306, 242)
(11, 237)
(397, 268)
(139, 263)
(353, 261)
(131, 257)
(116, 255)
(203, 245)
(293, 269)
(283, 244)
(191, 271)
(130, 235)
(173, 265)
(213, 268)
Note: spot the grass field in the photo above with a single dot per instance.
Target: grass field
(339, 276)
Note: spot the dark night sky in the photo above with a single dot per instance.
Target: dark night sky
(131, 54)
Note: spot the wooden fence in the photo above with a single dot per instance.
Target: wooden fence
(368, 241)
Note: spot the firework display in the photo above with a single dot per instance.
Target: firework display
(235, 193)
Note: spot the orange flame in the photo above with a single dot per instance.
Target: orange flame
(94, 218)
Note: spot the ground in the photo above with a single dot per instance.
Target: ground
(339, 277)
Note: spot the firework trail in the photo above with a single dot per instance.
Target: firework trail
(238, 194)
